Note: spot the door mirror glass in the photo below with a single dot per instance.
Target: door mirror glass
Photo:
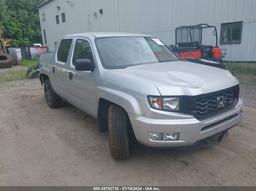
(84, 65)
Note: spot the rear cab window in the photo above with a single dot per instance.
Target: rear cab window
(63, 50)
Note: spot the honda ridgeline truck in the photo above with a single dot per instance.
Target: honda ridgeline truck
(134, 85)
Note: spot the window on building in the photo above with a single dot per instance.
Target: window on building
(82, 51)
(231, 33)
(63, 17)
(57, 19)
(63, 51)
(45, 40)
(43, 17)
(55, 44)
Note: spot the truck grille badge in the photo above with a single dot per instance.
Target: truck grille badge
(221, 102)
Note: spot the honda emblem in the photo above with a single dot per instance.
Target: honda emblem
(221, 102)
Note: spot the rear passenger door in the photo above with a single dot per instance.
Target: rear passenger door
(60, 69)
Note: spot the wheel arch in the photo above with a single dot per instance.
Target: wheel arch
(43, 77)
(103, 106)
(125, 100)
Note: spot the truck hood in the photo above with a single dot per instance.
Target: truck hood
(183, 78)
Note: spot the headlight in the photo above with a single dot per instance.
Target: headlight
(164, 103)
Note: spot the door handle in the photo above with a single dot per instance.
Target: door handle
(53, 69)
(70, 75)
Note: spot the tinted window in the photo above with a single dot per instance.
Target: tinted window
(63, 50)
(231, 33)
(82, 50)
(122, 52)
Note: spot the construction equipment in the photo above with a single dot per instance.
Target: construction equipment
(189, 43)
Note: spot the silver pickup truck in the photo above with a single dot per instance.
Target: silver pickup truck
(134, 85)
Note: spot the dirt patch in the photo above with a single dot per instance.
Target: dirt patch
(248, 93)
(40, 146)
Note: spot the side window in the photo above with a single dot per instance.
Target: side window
(82, 51)
(63, 51)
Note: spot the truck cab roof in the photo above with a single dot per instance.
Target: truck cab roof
(105, 34)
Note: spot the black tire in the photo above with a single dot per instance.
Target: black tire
(52, 99)
(214, 140)
(118, 133)
(6, 61)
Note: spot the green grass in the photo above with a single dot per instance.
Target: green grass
(12, 75)
(28, 63)
(242, 68)
(245, 72)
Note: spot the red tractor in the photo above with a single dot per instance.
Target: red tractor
(189, 46)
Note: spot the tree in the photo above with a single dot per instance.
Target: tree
(3, 15)
(19, 21)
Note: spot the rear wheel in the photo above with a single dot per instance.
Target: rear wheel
(52, 99)
(118, 124)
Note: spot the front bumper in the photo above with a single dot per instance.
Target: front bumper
(191, 130)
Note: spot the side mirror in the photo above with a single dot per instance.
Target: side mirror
(84, 65)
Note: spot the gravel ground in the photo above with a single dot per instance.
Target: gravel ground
(248, 93)
(62, 147)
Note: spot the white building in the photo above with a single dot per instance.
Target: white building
(234, 19)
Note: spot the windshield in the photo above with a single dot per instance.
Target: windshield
(188, 35)
(122, 52)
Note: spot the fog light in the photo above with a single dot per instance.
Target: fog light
(156, 136)
(172, 137)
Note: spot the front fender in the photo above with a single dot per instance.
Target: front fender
(126, 101)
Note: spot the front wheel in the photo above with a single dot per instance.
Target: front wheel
(118, 123)
(52, 99)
